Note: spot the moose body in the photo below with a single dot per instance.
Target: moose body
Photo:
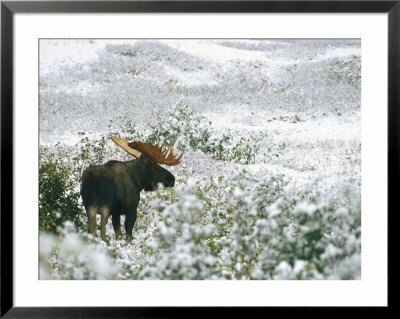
(114, 189)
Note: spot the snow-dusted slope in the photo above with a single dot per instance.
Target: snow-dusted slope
(303, 94)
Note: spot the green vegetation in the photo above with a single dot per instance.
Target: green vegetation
(58, 198)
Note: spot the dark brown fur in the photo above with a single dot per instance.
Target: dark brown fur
(114, 189)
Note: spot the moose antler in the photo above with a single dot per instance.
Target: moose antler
(123, 143)
(157, 153)
(154, 152)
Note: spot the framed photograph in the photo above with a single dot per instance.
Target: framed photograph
(163, 155)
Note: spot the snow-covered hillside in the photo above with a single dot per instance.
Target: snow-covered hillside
(286, 110)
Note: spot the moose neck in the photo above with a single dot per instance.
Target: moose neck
(138, 173)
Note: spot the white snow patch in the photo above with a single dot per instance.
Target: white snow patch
(215, 52)
(55, 54)
(339, 53)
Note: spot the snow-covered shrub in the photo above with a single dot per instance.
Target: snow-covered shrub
(183, 129)
(244, 151)
(129, 130)
(240, 252)
(187, 130)
(274, 236)
(308, 241)
(234, 229)
(90, 152)
(179, 248)
(341, 258)
(247, 208)
(74, 255)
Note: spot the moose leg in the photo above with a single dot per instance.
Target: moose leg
(92, 212)
(129, 223)
(116, 221)
(105, 213)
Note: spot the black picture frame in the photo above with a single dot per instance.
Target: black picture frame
(9, 8)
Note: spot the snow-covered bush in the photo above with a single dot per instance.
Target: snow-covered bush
(179, 248)
(90, 152)
(74, 255)
(183, 129)
(187, 130)
(266, 234)
(305, 240)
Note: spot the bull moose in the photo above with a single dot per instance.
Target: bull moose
(114, 188)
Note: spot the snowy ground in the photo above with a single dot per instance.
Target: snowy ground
(300, 97)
